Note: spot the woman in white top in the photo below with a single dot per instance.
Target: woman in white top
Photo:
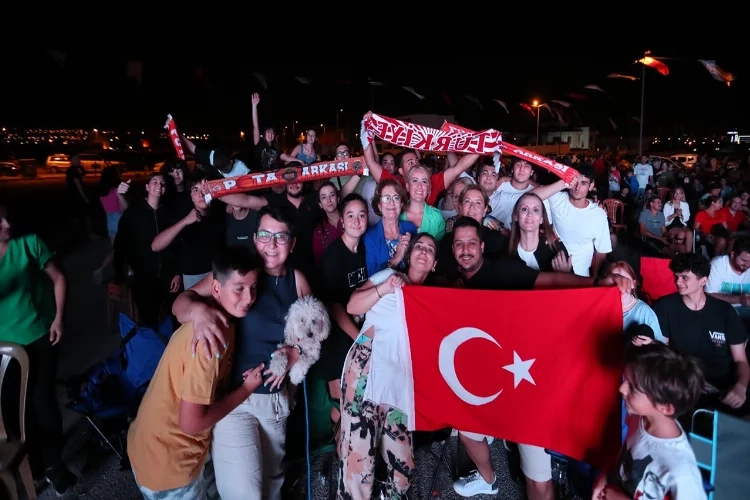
(677, 214)
(375, 400)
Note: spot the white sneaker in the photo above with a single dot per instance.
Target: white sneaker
(474, 484)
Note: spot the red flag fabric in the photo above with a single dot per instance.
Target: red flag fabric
(534, 367)
(658, 280)
(656, 64)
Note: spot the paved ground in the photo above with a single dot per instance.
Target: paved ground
(88, 340)
(40, 206)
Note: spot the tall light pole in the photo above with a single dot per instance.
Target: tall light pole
(324, 128)
(337, 117)
(643, 101)
(536, 104)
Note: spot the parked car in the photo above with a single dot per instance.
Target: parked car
(9, 169)
(89, 161)
(57, 162)
(688, 160)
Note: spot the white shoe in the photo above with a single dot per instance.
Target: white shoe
(474, 484)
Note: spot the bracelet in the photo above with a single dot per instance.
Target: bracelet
(378, 291)
(299, 349)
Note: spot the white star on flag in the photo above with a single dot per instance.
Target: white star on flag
(520, 369)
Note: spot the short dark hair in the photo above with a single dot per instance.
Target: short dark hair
(222, 158)
(692, 262)
(153, 175)
(586, 170)
(665, 376)
(468, 222)
(280, 214)
(741, 245)
(195, 178)
(234, 259)
(379, 189)
(350, 198)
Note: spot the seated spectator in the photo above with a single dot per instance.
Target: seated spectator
(656, 460)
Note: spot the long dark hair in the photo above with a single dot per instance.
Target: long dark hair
(110, 179)
(547, 232)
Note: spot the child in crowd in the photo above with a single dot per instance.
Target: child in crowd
(168, 442)
(656, 460)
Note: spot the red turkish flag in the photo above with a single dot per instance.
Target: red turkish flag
(658, 279)
(534, 367)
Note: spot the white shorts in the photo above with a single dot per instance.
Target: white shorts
(536, 463)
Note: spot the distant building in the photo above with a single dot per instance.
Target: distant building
(580, 138)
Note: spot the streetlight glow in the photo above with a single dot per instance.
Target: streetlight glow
(535, 103)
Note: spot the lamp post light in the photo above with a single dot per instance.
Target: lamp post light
(536, 104)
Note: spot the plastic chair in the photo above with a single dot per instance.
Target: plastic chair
(664, 193)
(722, 449)
(615, 213)
(13, 458)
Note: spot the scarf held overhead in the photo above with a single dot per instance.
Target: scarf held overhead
(452, 138)
(286, 175)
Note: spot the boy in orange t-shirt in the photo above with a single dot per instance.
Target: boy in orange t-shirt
(168, 442)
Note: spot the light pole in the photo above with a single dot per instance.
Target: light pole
(324, 128)
(536, 104)
(337, 118)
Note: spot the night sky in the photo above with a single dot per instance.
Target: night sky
(211, 93)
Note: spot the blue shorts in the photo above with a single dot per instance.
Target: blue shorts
(113, 219)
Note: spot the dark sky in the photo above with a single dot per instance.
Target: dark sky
(210, 92)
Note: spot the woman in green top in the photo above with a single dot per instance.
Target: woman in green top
(428, 219)
(32, 300)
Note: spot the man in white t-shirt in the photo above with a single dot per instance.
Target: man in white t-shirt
(221, 159)
(580, 223)
(504, 192)
(729, 279)
(644, 174)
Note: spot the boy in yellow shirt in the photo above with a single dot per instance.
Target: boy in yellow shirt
(169, 440)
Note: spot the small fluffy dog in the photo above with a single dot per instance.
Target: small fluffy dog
(307, 326)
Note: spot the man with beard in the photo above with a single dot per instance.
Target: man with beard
(508, 274)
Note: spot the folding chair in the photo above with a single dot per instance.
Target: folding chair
(570, 474)
(722, 448)
(115, 387)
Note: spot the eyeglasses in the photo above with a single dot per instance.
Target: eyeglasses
(454, 196)
(385, 199)
(342, 154)
(265, 237)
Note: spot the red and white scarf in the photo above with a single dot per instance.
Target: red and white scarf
(452, 138)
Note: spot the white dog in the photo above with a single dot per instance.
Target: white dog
(307, 326)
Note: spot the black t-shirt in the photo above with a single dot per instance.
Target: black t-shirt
(495, 247)
(266, 156)
(343, 271)
(705, 334)
(503, 274)
(199, 242)
(307, 215)
(239, 232)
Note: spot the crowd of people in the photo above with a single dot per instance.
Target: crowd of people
(229, 271)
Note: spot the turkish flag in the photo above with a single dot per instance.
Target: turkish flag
(533, 367)
(658, 279)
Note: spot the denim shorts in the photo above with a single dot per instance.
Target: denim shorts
(113, 220)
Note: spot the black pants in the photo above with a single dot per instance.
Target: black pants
(44, 432)
(152, 298)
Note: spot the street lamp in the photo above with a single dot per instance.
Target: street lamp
(324, 128)
(337, 118)
(536, 104)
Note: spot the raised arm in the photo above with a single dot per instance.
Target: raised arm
(371, 159)
(256, 129)
(450, 174)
